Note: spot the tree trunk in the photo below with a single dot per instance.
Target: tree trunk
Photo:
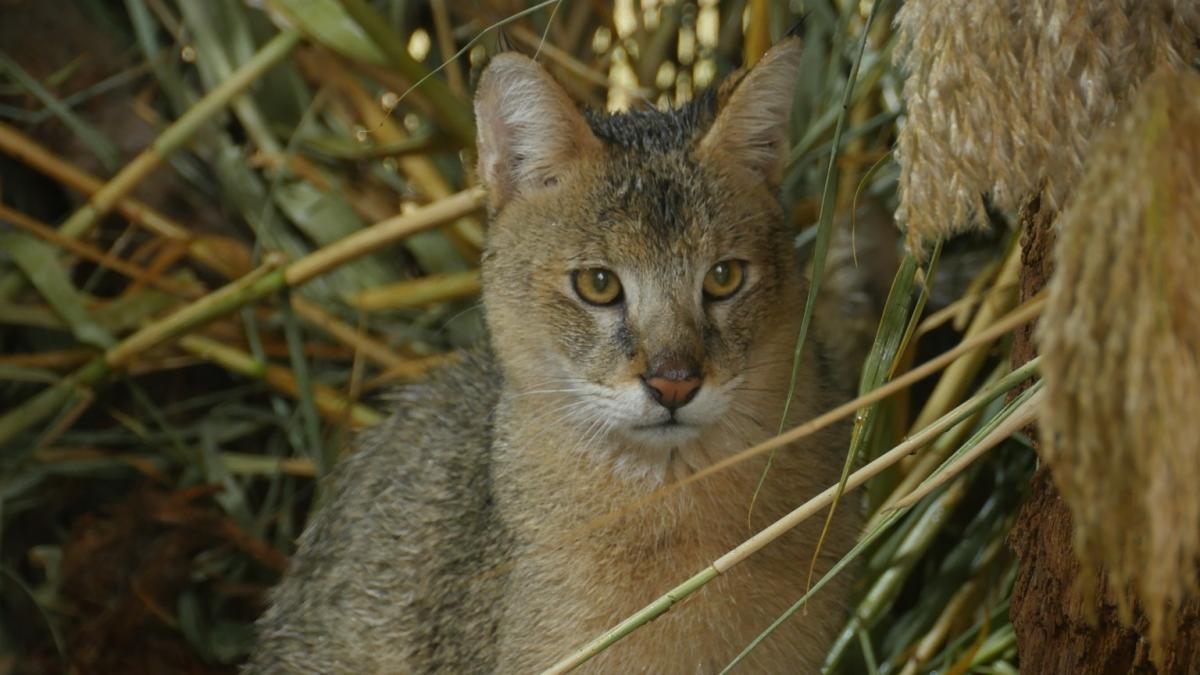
(1058, 630)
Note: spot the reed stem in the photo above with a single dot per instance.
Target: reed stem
(268, 279)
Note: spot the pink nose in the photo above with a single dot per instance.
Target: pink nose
(673, 393)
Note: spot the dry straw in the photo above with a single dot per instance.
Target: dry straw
(1121, 353)
(1005, 96)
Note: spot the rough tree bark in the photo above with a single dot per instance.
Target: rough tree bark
(1058, 632)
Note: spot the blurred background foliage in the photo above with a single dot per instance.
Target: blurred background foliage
(160, 441)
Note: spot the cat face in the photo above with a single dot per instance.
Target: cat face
(639, 272)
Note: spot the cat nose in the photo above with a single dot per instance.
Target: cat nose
(673, 388)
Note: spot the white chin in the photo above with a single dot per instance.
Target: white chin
(664, 435)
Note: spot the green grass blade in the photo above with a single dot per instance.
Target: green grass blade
(39, 262)
(97, 142)
(824, 236)
(327, 22)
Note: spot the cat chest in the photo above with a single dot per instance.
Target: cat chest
(568, 601)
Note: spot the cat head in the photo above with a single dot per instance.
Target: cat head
(639, 265)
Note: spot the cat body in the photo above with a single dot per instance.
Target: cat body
(643, 298)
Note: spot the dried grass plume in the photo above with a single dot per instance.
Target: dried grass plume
(1005, 95)
(1120, 340)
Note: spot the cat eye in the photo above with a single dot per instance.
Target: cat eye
(597, 286)
(724, 279)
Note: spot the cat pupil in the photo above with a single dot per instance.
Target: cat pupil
(721, 274)
(600, 280)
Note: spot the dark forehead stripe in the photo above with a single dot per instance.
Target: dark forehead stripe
(656, 196)
(655, 131)
(648, 180)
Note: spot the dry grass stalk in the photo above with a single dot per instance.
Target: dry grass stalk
(331, 403)
(26, 150)
(357, 338)
(269, 278)
(958, 378)
(89, 252)
(1121, 353)
(420, 292)
(177, 134)
(1005, 96)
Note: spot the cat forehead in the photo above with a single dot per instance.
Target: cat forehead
(660, 193)
(648, 217)
(646, 210)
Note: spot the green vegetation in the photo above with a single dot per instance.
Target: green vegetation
(226, 231)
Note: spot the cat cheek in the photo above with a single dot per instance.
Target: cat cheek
(585, 339)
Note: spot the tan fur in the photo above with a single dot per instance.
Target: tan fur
(499, 535)
(602, 575)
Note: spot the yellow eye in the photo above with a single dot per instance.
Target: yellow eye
(724, 279)
(597, 286)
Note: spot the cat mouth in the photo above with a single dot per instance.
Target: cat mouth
(669, 432)
(680, 420)
(670, 423)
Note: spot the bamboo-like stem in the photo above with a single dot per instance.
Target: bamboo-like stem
(953, 311)
(936, 635)
(174, 136)
(993, 647)
(90, 252)
(58, 358)
(24, 149)
(358, 340)
(828, 201)
(929, 460)
(265, 280)
(48, 401)
(420, 169)
(28, 151)
(444, 29)
(757, 38)
(885, 587)
(237, 463)
(246, 464)
(804, 511)
(863, 110)
(419, 292)
(168, 253)
(218, 66)
(958, 377)
(331, 403)
(1020, 418)
(887, 584)
(268, 279)
(384, 233)
(455, 114)
(412, 369)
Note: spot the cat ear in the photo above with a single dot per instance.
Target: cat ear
(751, 127)
(527, 128)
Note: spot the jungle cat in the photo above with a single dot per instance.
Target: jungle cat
(643, 296)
